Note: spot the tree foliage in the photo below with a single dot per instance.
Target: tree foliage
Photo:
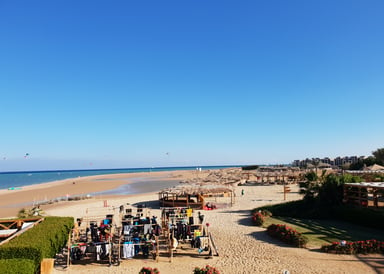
(311, 186)
(253, 167)
(331, 190)
(379, 155)
(326, 189)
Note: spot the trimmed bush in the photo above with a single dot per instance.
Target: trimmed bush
(149, 270)
(358, 247)
(42, 241)
(361, 216)
(295, 209)
(306, 210)
(17, 266)
(206, 270)
(21, 252)
(252, 167)
(287, 235)
(258, 217)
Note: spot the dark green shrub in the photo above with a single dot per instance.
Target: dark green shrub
(21, 252)
(149, 270)
(17, 266)
(331, 190)
(252, 167)
(42, 241)
(311, 210)
(361, 216)
(298, 209)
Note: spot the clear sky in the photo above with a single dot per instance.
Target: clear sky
(110, 84)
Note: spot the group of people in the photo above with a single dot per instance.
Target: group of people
(209, 206)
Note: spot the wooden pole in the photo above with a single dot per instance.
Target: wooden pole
(69, 248)
(157, 248)
(209, 244)
(213, 243)
(171, 246)
(119, 250)
(110, 249)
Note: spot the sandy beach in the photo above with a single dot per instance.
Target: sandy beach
(11, 201)
(243, 248)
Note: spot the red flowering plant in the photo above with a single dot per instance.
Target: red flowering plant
(258, 217)
(149, 270)
(357, 247)
(206, 270)
(342, 247)
(287, 235)
(369, 246)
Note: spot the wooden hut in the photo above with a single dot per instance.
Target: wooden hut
(192, 196)
(368, 194)
(11, 228)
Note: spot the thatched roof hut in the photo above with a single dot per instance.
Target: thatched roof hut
(192, 195)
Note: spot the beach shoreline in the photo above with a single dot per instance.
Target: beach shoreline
(11, 201)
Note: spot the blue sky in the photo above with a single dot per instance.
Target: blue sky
(96, 84)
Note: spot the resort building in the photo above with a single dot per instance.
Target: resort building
(336, 162)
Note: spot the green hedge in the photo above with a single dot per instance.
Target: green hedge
(252, 167)
(17, 266)
(303, 209)
(42, 241)
(21, 252)
(361, 216)
(296, 209)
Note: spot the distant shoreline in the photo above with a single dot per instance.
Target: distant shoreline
(103, 185)
(15, 179)
(134, 169)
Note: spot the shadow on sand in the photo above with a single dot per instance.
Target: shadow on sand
(153, 204)
(375, 261)
(264, 237)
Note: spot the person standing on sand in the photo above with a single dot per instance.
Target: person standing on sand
(242, 192)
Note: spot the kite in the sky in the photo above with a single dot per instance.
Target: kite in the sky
(26, 155)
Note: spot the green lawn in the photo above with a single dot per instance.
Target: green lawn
(321, 232)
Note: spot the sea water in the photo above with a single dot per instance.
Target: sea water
(9, 180)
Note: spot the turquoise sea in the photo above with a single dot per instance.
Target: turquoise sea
(25, 178)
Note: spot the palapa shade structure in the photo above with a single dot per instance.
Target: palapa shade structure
(375, 167)
(192, 195)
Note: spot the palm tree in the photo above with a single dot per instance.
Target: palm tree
(311, 186)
